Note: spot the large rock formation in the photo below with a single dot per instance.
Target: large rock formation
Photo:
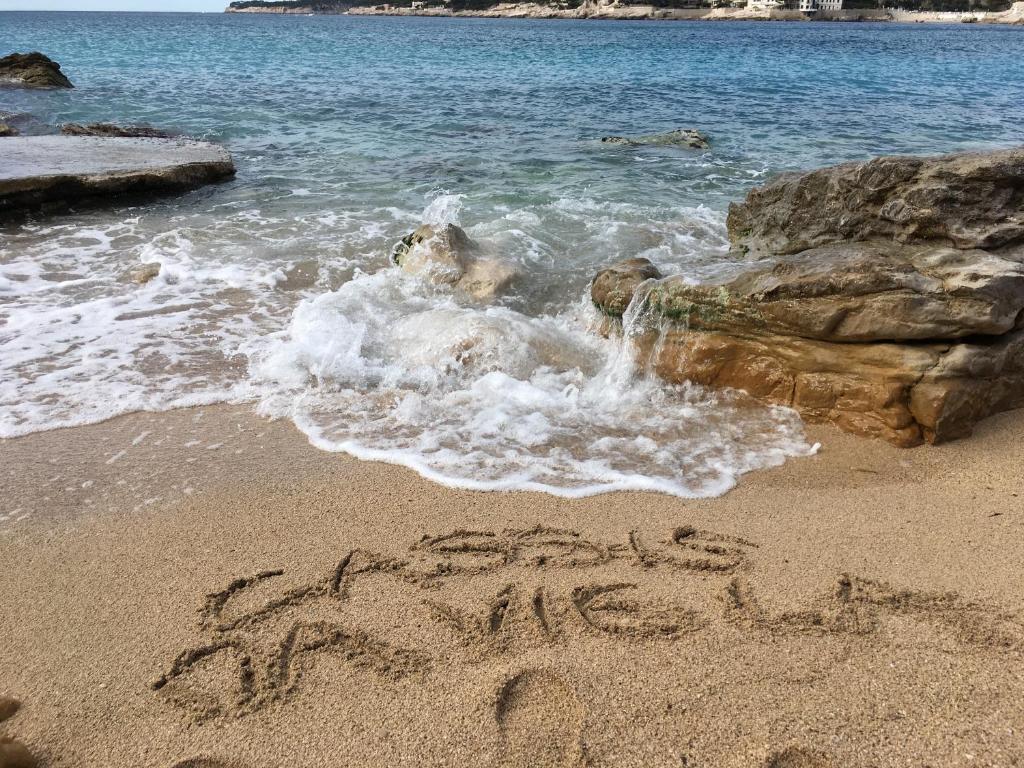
(967, 201)
(897, 310)
(50, 172)
(32, 70)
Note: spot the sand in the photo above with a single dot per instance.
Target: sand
(203, 588)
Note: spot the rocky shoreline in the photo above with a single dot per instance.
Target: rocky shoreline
(885, 297)
(597, 9)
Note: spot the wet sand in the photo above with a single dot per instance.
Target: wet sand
(203, 583)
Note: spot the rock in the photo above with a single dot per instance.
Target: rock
(440, 254)
(613, 288)
(680, 137)
(143, 273)
(853, 292)
(971, 200)
(14, 754)
(109, 130)
(32, 70)
(450, 257)
(6, 130)
(891, 301)
(48, 172)
(8, 707)
(485, 279)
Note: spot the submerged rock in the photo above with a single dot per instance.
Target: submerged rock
(109, 130)
(681, 137)
(6, 130)
(32, 70)
(973, 200)
(904, 336)
(51, 172)
(450, 257)
(143, 273)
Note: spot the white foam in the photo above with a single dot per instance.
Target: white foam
(384, 366)
(390, 369)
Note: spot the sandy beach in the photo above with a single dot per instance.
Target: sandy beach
(203, 583)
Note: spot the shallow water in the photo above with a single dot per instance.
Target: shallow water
(349, 132)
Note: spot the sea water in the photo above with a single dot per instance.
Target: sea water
(276, 288)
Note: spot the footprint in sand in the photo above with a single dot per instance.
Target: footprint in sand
(540, 721)
(797, 757)
(204, 762)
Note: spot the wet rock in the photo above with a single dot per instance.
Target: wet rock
(109, 130)
(614, 286)
(32, 70)
(681, 137)
(51, 172)
(854, 292)
(449, 256)
(143, 273)
(14, 754)
(973, 200)
(441, 254)
(7, 130)
(912, 334)
(485, 278)
(8, 707)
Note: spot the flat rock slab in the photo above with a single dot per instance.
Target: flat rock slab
(46, 172)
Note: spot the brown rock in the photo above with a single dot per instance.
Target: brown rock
(8, 707)
(904, 393)
(964, 200)
(14, 754)
(111, 131)
(891, 302)
(614, 286)
(7, 130)
(32, 70)
(875, 291)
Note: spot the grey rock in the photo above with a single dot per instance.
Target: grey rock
(47, 172)
(681, 137)
(971, 200)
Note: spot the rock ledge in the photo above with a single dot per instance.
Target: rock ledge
(888, 299)
(50, 172)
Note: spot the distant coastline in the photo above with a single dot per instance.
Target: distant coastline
(597, 9)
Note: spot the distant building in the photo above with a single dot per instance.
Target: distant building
(764, 5)
(813, 6)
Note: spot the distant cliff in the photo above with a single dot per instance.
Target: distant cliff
(944, 11)
(289, 6)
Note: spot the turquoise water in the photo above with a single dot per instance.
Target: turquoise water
(350, 131)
